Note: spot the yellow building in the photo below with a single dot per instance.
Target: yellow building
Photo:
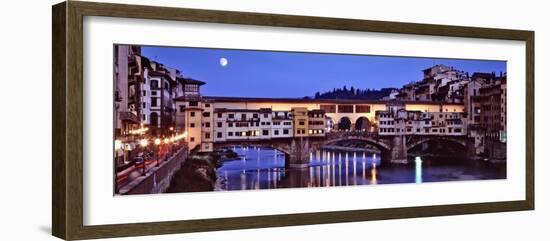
(300, 121)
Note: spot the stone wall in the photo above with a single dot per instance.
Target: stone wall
(157, 179)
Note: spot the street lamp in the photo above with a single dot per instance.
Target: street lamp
(157, 143)
(143, 143)
(118, 146)
(166, 143)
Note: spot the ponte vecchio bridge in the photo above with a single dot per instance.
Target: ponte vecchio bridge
(393, 149)
(346, 120)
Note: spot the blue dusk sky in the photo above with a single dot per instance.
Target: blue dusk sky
(291, 74)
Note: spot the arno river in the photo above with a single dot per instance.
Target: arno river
(262, 168)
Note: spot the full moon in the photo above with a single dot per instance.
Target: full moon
(223, 62)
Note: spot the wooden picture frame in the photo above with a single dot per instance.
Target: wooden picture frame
(67, 122)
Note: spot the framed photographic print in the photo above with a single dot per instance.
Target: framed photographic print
(170, 120)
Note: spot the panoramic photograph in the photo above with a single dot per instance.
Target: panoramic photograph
(190, 119)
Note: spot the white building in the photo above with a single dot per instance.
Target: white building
(398, 121)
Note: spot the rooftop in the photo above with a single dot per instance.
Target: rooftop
(315, 101)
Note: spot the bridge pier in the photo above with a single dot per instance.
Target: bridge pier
(299, 153)
(398, 152)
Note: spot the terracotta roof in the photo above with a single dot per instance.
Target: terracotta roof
(190, 81)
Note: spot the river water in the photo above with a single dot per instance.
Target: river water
(264, 168)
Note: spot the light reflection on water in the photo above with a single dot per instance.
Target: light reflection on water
(263, 168)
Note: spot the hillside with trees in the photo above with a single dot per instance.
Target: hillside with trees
(353, 93)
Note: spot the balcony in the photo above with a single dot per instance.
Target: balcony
(128, 116)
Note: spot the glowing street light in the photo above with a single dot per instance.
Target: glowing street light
(157, 143)
(118, 144)
(143, 142)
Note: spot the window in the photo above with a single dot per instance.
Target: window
(477, 110)
(276, 132)
(243, 116)
(193, 103)
(265, 132)
(144, 117)
(206, 124)
(328, 108)
(192, 125)
(182, 108)
(192, 114)
(154, 101)
(220, 115)
(345, 108)
(207, 135)
(362, 108)
(265, 115)
(241, 124)
(220, 134)
(154, 84)
(144, 105)
(192, 139)
(191, 88)
(206, 105)
(285, 131)
(302, 123)
(206, 114)
(230, 124)
(231, 116)
(230, 133)
(144, 93)
(254, 115)
(153, 93)
(219, 124)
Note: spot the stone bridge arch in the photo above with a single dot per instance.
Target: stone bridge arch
(296, 150)
(372, 138)
(418, 140)
(382, 145)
